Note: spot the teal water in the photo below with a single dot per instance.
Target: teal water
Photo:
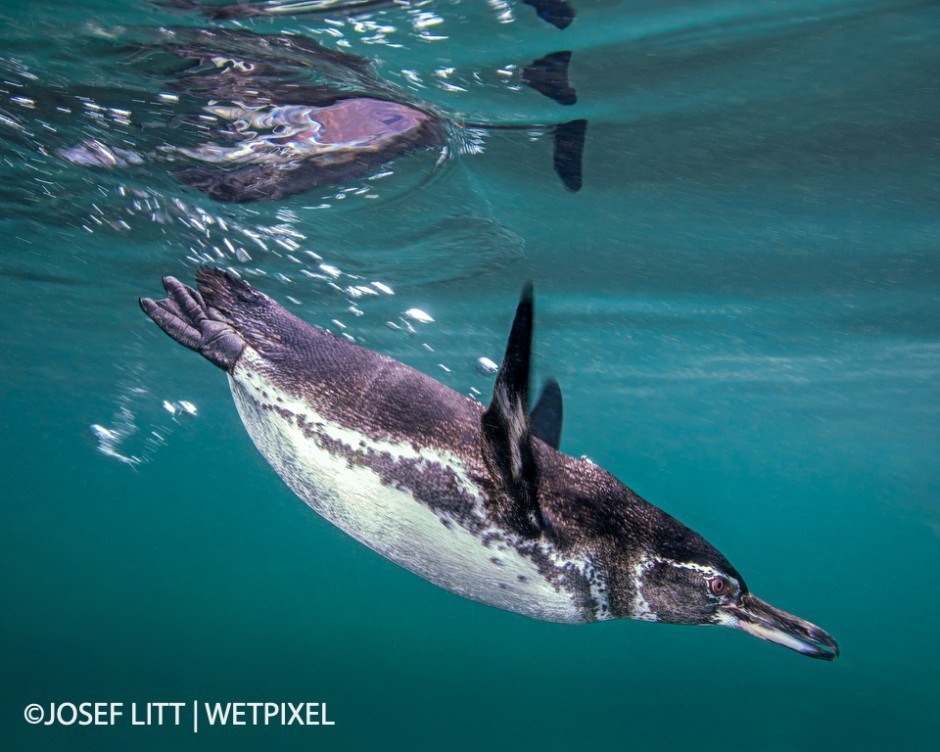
(741, 305)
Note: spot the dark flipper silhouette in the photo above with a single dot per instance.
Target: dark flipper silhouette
(507, 436)
(546, 417)
(556, 12)
(549, 76)
(569, 151)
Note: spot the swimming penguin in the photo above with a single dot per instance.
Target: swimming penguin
(476, 500)
(295, 148)
(291, 115)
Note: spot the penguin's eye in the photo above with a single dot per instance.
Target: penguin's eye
(718, 585)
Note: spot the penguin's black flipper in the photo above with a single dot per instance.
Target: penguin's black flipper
(556, 12)
(506, 430)
(549, 76)
(184, 315)
(547, 414)
(569, 151)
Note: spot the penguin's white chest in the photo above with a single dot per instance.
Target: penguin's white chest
(381, 492)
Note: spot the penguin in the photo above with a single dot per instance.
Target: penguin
(477, 500)
(291, 116)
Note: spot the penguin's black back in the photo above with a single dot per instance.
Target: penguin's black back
(346, 382)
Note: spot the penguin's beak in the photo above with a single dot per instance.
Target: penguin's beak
(763, 620)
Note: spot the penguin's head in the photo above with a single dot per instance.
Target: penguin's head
(695, 584)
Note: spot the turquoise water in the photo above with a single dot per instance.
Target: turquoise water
(741, 306)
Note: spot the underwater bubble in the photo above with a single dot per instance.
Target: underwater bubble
(416, 314)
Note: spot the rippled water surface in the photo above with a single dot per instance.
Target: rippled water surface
(737, 288)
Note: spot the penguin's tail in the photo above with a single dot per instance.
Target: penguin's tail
(198, 320)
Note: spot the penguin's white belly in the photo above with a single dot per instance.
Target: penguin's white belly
(460, 552)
